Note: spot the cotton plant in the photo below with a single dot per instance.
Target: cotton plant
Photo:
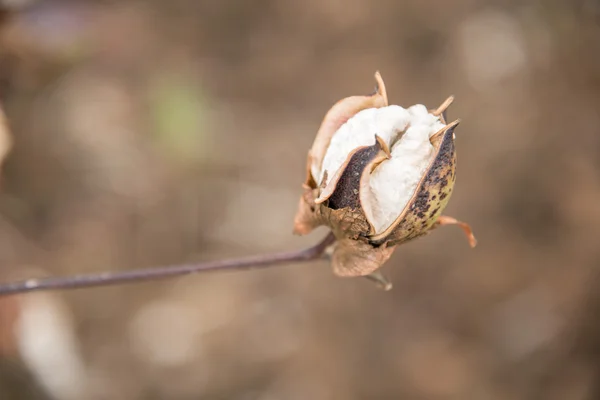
(378, 175)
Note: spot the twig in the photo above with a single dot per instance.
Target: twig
(147, 274)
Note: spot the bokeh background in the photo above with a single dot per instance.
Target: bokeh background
(147, 133)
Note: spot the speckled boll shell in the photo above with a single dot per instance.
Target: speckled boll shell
(430, 198)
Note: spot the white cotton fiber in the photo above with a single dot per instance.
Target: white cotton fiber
(360, 130)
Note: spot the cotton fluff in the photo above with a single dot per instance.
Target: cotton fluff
(393, 183)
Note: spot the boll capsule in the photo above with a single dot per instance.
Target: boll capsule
(378, 175)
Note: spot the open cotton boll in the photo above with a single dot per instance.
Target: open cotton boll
(394, 181)
(378, 176)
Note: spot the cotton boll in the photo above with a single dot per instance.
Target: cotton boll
(394, 181)
(388, 183)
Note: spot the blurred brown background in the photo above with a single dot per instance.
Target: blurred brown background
(159, 132)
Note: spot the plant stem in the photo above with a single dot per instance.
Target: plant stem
(147, 274)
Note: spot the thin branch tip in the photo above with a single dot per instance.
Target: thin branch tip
(158, 273)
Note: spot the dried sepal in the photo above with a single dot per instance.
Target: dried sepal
(352, 258)
(345, 222)
(305, 220)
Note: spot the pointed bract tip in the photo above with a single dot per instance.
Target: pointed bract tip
(444, 106)
(381, 87)
(453, 124)
(384, 146)
(445, 129)
(472, 242)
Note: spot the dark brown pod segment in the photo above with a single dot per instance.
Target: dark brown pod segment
(344, 188)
